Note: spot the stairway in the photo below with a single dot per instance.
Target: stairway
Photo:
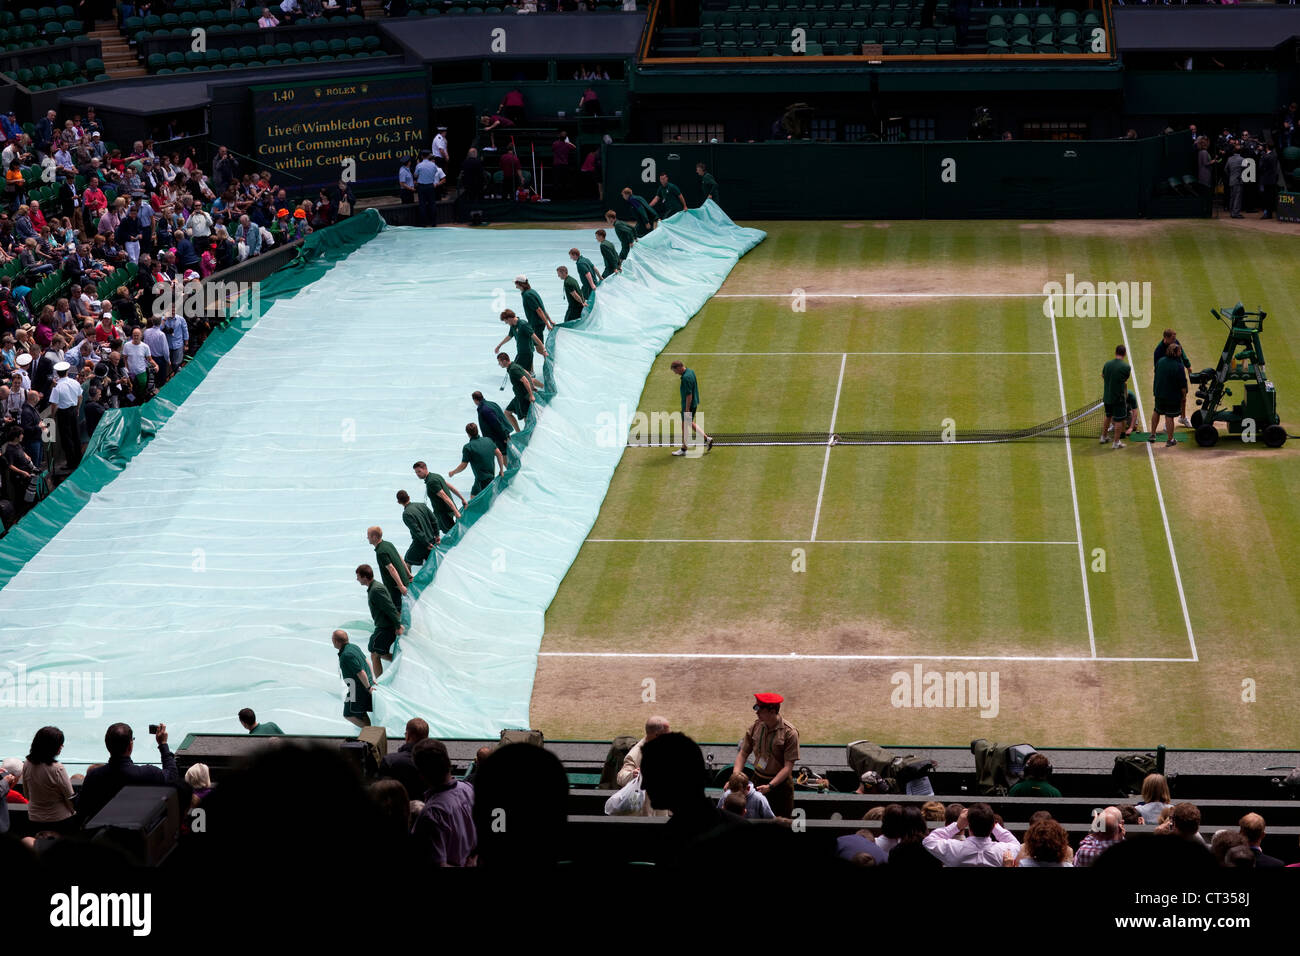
(373, 9)
(119, 62)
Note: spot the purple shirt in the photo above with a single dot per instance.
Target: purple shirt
(444, 831)
(156, 339)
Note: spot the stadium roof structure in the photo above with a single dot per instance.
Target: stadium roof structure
(1229, 29)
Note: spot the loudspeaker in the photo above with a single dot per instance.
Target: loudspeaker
(142, 822)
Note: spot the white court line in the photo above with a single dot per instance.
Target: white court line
(1071, 542)
(871, 657)
(1074, 493)
(826, 462)
(1155, 476)
(863, 353)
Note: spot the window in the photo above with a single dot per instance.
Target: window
(855, 132)
(920, 129)
(1055, 130)
(823, 130)
(693, 132)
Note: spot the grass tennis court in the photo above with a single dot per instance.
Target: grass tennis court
(864, 561)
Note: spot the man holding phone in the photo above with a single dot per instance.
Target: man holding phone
(104, 782)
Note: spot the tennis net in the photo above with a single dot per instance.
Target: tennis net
(1085, 422)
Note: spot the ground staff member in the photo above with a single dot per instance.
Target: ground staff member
(479, 454)
(393, 571)
(608, 254)
(525, 387)
(690, 389)
(525, 338)
(1114, 376)
(670, 196)
(358, 700)
(492, 422)
(708, 185)
(1170, 338)
(773, 744)
(1171, 392)
(626, 234)
(440, 491)
(427, 178)
(573, 297)
(420, 521)
(388, 624)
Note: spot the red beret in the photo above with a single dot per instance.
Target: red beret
(769, 698)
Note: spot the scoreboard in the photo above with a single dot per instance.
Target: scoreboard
(357, 128)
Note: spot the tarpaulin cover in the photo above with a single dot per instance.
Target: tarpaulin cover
(199, 559)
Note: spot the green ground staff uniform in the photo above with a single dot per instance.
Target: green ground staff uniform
(492, 424)
(690, 387)
(572, 285)
(533, 302)
(522, 333)
(1169, 381)
(481, 456)
(1115, 375)
(585, 268)
(709, 187)
(267, 729)
(422, 524)
(610, 256)
(626, 236)
(386, 556)
(670, 197)
(384, 614)
(519, 407)
(434, 483)
(357, 702)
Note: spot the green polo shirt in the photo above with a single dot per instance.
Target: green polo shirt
(670, 197)
(572, 285)
(1115, 375)
(385, 555)
(626, 235)
(382, 610)
(481, 455)
(422, 524)
(690, 387)
(352, 661)
(1170, 379)
(533, 302)
(267, 729)
(517, 375)
(585, 268)
(434, 483)
(522, 333)
(709, 187)
(610, 255)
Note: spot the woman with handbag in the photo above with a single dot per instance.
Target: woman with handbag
(344, 200)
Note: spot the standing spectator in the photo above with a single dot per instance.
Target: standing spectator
(344, 200)
(177, 329)
(388, 624)
(1233, 166)
(104, 782)
(139, 362)
(159, 349)
(562, 156)
(444, 832)
(358, 698)
(46, 784)
(773, 743)
(976, 839)
(1270, 175)
(631, 769)
(511, 169)
(406, 181)
(225, 170)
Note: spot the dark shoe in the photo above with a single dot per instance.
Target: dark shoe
(1171, 443)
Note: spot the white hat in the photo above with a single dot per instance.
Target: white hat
(521, 278)
(190, 275)
(95, 133)
(62, 367)
(24, 359)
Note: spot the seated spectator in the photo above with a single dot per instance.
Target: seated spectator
(1111, 832)
(753, 804)
(1155, 797)
(199, 779)
(395, 804)
(1037, 769)
(976, 839)
(267, 20)
(1252, 829)
(1184, 821)
(103, 782)
(444, 833)
(400, 764)
(852, 847)
(654, 727)
(933, 810)
(1046, 844)
(289, 11)
(910, 852)
(527, 786)
(672, 772)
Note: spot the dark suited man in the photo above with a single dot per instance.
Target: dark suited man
(103, 782)
(471, 184)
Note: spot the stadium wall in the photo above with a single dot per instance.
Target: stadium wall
(1110, 179)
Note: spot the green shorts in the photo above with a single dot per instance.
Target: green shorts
(382, 640)
(417, 553)
(1117, 411)
(519, 407)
